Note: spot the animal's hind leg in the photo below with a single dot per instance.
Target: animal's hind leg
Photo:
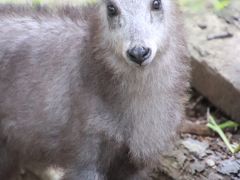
(8, 164)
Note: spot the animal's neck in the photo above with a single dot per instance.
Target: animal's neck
(140, 85)
(140, 105)
(142, 100)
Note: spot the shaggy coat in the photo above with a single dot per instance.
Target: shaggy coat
(67, 99)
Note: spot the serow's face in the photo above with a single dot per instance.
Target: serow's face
(136, 29)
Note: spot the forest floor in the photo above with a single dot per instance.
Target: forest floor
(202, 155)
(214, 44)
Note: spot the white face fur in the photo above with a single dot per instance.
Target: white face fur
(139, 24)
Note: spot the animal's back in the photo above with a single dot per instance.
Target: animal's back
(40, 58)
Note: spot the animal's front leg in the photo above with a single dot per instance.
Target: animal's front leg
(84, 174)
(143, 174)
(131, 173)
(123, 168)
(91, 160)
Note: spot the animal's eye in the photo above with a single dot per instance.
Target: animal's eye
(112, 10)
(156, 5)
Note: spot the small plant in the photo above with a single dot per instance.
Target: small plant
(199, 5)
(220, 4)
(218, 128)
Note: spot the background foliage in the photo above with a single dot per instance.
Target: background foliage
(194, 5)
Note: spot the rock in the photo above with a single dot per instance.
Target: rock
(231, 14)
(215, 63)
(197, 167)
(229, 167)
(197, 147)
(214, 176)
(210, 162)
(181, 158)
(238, 155)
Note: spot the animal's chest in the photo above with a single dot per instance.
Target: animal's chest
(118, 121)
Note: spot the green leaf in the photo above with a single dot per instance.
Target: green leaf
(212, 124)
(220, 4)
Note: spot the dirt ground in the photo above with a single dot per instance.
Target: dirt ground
(212, 151)
(203, 155)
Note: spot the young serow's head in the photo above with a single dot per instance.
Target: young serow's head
(136, 30)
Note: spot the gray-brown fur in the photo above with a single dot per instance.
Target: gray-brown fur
(68, 97)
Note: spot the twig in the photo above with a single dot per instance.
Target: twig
(220, 36)
(189, 127)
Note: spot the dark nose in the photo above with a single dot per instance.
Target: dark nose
(139, 54)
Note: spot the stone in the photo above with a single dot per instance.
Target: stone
(214, 176)
(210, 162)
(197, 147)
(197, 167)
(215, 63)
(229, 167)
